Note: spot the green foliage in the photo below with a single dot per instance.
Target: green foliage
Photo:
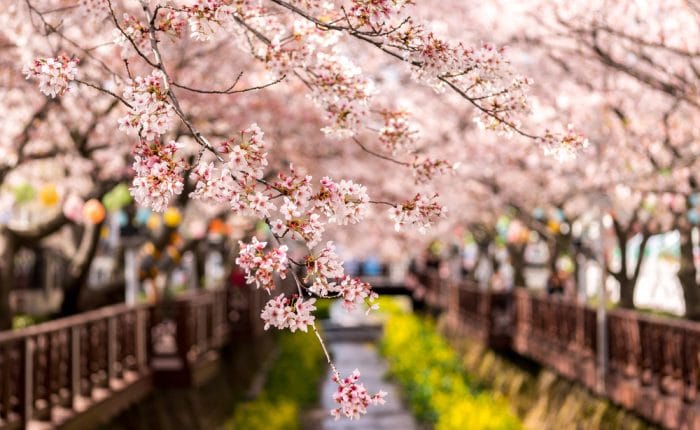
(23, 320)
(323, 308)
(432, 377)
(263, 414)
(291, 386)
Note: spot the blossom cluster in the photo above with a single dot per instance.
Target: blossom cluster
(236, 181)
(424, 169)
(397, 133)
(204, 16)
(260, 266)
(354, 289)
(150, 114)
(339, 87)
(352, 397)
(322, 269)
(293, 314)
(54, 74)
(95, 9)
(246, 155)
(136, 32)
(344, 202)
(421, 211)
(131, 31)
(375, 13)
(563, 146)
(157, 173)
(326, 275)
(340, 202)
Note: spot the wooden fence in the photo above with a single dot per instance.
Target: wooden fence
(76, 372)
(653, 363)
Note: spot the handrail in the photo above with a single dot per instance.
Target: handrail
(67, 322)
(56, 370)
(654, 361)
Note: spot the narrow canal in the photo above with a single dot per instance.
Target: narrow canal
(281, 382)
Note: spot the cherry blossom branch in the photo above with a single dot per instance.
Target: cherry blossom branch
(230, 89)
(53, 30)
(104, 90)
(376, 154)
(128, 37)
(368, 37)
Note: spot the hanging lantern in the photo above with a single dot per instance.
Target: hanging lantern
(217, 226)
(197, 229)
(48, 196)
(117, 198)
(153, 222)
(172, 217)
(24, 192)
(73, 208)
(93, 211)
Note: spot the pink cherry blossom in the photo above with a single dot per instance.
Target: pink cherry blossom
(158, 173)
(293, 313)
(260, 266)
(343, 203)
(54, 74)
(420, 211)
(353, 398)
(150, 115)
(354, 289)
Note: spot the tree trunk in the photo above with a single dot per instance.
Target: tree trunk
(517, 260)
(628, 282)
(78, 270)
(687, 275)
(626, 292)
(7, 279)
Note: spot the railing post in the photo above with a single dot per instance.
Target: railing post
(111, 350)
(27, 381)
(140, 339)
(202, 328)
(75, 365)
(602, 336)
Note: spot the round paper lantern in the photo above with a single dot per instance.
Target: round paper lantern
(216, 226)
(73, 208)
(24, 192)
(93, 211)
(197, 229)
(172, 217)
(153, 222)
(48, 195)
(117, 198)
(142, 216)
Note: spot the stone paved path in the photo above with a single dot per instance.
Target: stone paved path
(364, 356)
(351, 350)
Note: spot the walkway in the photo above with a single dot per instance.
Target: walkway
(352, 346)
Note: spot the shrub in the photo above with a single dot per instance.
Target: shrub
(432, 376)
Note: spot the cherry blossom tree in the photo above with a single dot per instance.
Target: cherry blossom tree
(177, 70)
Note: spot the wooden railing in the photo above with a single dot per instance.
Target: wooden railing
(653, 363)
(485, 315)
(78, 371)
(53, 369)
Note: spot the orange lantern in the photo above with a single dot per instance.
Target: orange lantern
(93, 211)
(217, 226)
